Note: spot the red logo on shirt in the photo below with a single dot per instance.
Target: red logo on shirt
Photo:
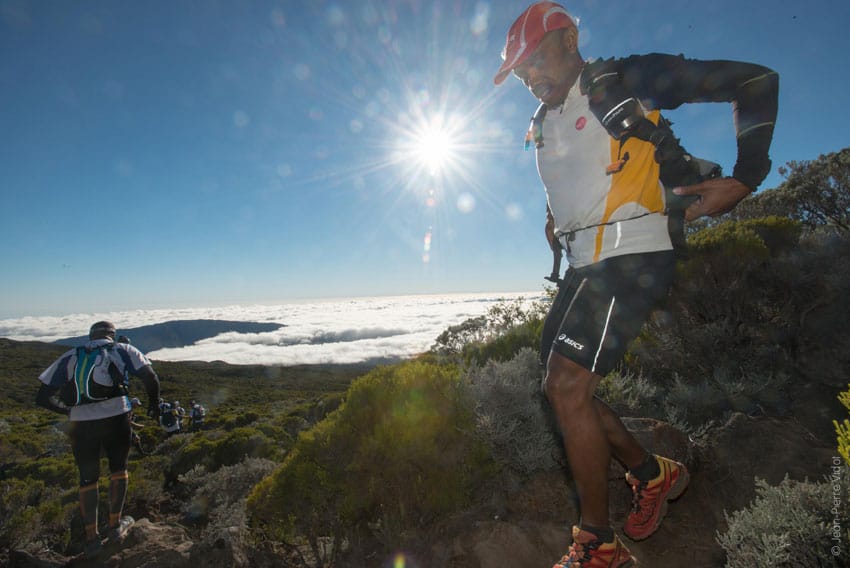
(580, 123)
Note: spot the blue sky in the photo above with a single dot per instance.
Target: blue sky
(177, 154)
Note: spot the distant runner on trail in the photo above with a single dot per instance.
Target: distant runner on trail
(89, 385)
(168, 418)
(197, 413)
(619, 188)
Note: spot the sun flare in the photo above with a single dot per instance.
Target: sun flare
(433, 149)
(431, 146)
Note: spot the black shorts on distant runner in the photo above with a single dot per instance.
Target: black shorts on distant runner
(601, 308)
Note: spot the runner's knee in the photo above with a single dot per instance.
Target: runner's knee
(568, 382)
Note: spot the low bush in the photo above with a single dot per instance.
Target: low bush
(630, 392)
(33, 514)
(218, 498)
(512, 414)
(506, 328)
(792, 524)
(400, 452)
(214, 449)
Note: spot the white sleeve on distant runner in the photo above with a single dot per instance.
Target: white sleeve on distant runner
(57, 373)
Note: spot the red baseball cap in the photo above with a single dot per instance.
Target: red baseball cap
(527, 31)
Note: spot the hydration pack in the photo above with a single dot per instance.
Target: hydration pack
(94, 363)
(167, 415)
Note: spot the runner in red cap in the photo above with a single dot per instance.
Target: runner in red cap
(616, 179)
(527, 31)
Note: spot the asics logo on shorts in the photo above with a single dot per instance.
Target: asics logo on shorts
(570, 342)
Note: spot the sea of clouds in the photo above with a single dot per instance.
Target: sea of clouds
(352, 330)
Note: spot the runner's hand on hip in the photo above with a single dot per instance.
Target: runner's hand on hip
(717, 196)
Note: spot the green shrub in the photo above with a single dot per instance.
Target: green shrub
(400, 452)
(507, 327)
(629, 391)
(32, 514)
(228, 421)
(145, 488)
(61, 471)
(754, 238)
(512, 414)
(790, 525)
(218, 498)
(506, 345)
(214, 449)
(243, 443)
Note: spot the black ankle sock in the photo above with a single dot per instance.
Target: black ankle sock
(647, 470)
(605, 534)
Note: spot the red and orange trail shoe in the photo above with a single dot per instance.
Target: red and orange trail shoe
(649, 503)
(587, 551)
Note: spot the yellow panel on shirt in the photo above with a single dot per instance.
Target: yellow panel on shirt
(584, 198)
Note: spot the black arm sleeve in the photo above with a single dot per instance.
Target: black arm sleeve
(667, 81)
(46, 398)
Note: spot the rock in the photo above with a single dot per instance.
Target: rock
(147, 545)
(150, 545)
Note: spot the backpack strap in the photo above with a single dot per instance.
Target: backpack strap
(535, 129)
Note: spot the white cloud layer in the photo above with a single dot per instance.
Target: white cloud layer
(329, 331)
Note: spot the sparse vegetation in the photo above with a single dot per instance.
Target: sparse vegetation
(499, 335)
(343, 461)
(249, 408)
(792, 524)
(512, 415)
(218, 498)
(398, 454)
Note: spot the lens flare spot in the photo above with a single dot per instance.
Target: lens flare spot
(513, 212)
(478, 25)
(431, 199)
(465, 202)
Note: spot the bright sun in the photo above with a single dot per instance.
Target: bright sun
(431, 146)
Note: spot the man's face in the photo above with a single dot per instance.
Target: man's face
(552, 69)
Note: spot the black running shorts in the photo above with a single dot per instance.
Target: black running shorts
(113, 434)
(601, 308)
